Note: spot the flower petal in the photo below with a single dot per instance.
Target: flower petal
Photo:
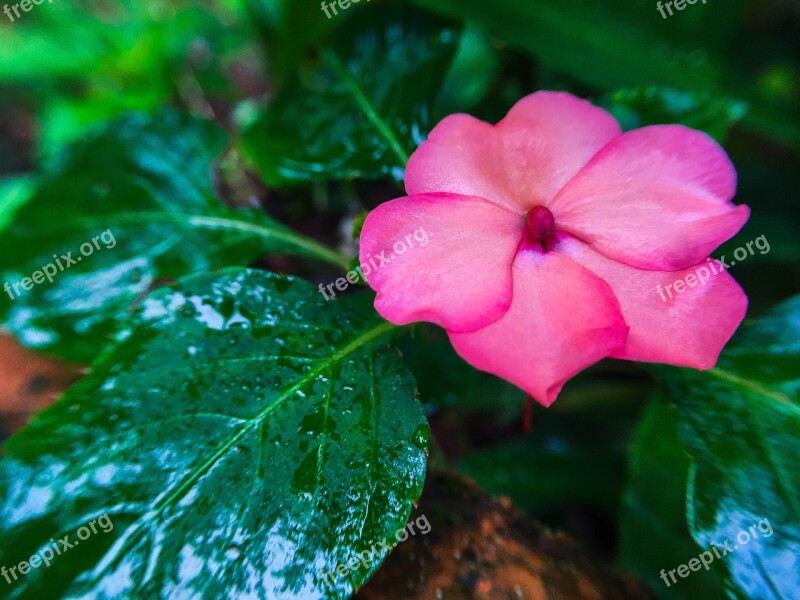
(548, 137)
(562, 319)
(688, 328)
(544, 140)
(462, 155)
(456, 272)
(655, 198)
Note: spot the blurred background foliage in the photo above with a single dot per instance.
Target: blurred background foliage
(320, 114)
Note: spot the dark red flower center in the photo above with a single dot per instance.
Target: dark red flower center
(540, 223)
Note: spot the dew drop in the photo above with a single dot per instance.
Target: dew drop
(422, 436)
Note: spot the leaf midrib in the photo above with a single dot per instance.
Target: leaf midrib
(182, 487)
(368, 109)
(191, 220)
(752, 386)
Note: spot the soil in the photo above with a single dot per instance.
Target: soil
(484, 548)
(28, 383)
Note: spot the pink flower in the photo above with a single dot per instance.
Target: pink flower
(550, 233)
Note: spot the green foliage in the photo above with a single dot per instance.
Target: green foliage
(14, 192)
(611, 45)
(652, 105)
(544, 471)
(244, 435)
(723, 457)
(590, 40)
(445, 380)
(654, 534)
(120, 57)
(472, 73)
(245, 438)
(361, 105)
(740, 422)
(288, 29)
(147, 181)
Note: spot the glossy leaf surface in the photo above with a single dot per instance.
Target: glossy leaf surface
(740, 423)
(244, 439)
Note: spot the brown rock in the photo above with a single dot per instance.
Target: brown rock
(484, 548)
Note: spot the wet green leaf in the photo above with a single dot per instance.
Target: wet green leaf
(740, 423)
(244, 439)
(361, 106)
(138, 198)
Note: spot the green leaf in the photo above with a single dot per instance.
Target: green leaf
(740, 422)
(141, 188)
(244, 439)
(651, 105)
(360, 107)
(474, 70)
(653, 530)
